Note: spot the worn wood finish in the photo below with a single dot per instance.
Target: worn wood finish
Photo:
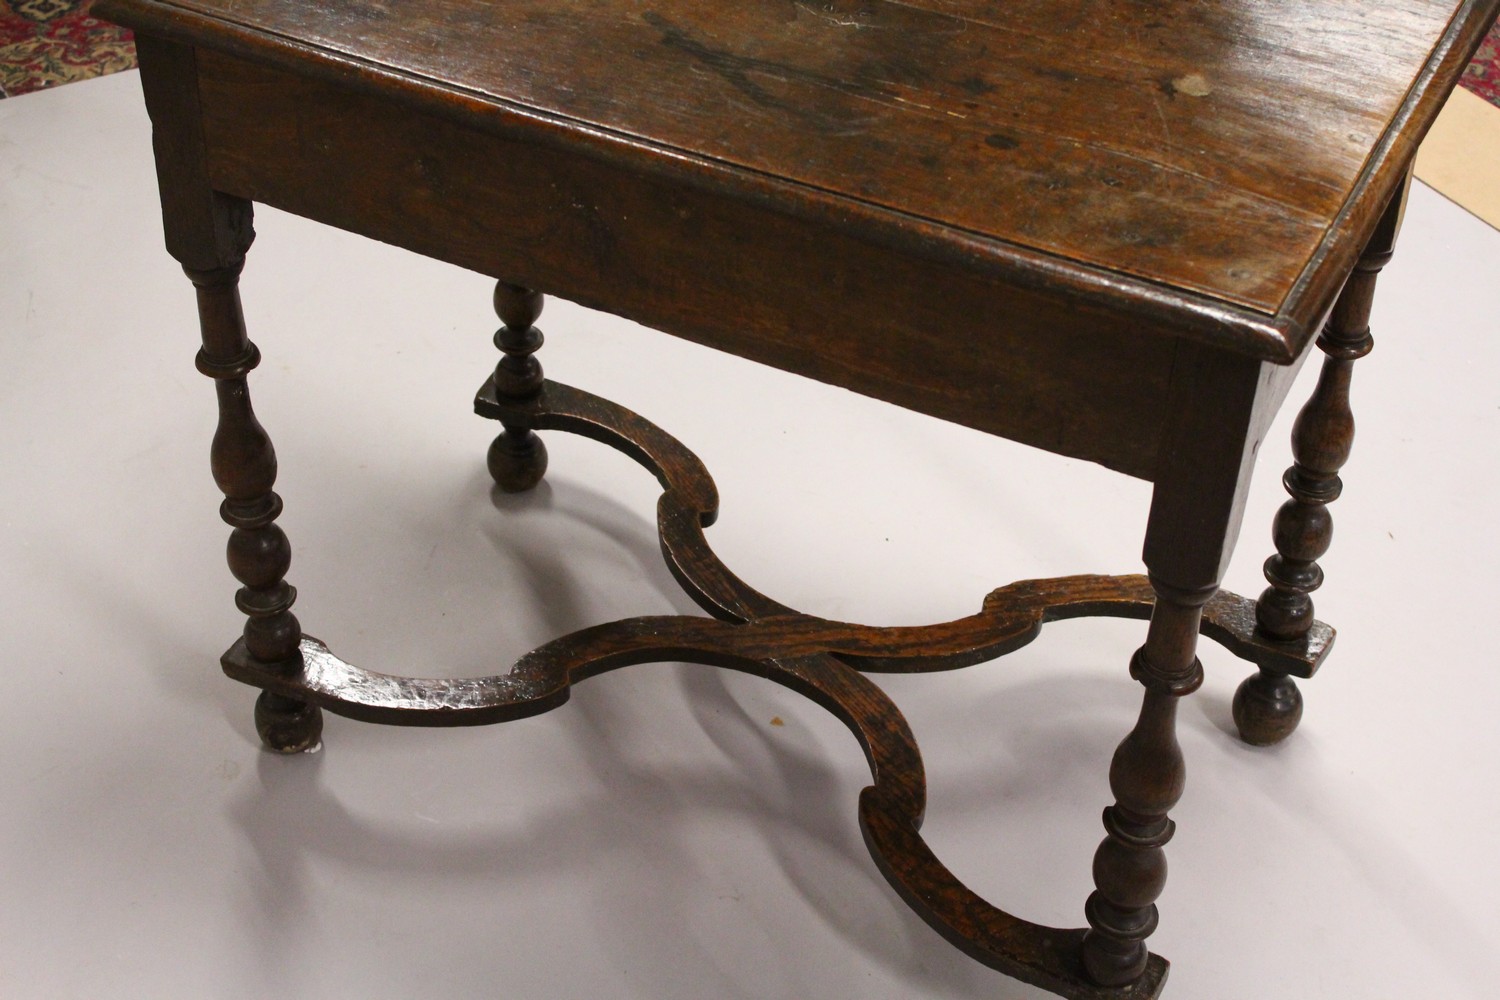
(1198, 146)
(1221, 406)
(1268, 705)
(244, 467)
(541, 680)
(517, 458)
(890, 810)
(817, 657)
(209, 232)
(205, 229)
(1106, 228)
(746, 278)
(959, 323)
(1147, 777)
(1010, 617)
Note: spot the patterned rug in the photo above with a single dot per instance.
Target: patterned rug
(44, 43)
(1483, 75)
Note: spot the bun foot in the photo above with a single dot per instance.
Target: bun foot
(1267, 708)
(287, 725)
(517, 461)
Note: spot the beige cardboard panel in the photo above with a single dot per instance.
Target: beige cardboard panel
(1460, 157)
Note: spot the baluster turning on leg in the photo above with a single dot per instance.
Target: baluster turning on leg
(244, 467)
(1268, 705)
(1147, 777)
(517, 458)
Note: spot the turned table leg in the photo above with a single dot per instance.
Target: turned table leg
(244, 467)
(1221, 407)
(208, 232)
(1268, 705)
(1147, 777)
(517, 458)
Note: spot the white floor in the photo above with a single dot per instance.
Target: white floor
(673, 832)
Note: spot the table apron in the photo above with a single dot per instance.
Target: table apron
(736, 276)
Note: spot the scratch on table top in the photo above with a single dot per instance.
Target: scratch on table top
(928, 107)
(827, 13)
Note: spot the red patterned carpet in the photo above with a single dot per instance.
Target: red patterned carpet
(47, 42)
(1483, 75)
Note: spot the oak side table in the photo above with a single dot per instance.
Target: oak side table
(1111, 229)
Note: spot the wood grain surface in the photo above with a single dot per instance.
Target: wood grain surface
(1206, 146)
(763, 284)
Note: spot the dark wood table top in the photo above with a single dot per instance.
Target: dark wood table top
(1210, 151)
